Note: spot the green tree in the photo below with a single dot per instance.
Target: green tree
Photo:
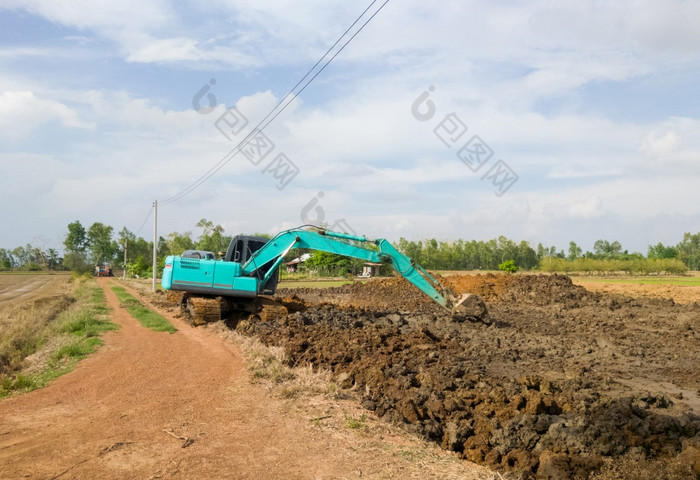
(527, 257)
(689, 250)
(125, 239)
(506, 249)
(605, 249)
(541, 252)
(615, 249)
(76, 240)
(574, 251)
(77, 262)
(661, 251)
(601, 248)
(52, 259)
(39, 258)
(141, 248)
(102, 246)
(430, 253)
(325, 264)
(212, 238)
(411, 249)
(5, 259)
(508, 266)
(140, 268)
(179, 242)
(19, 255)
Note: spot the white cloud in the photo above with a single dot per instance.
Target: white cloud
(22, 112)
(20, 52)
(191, 52)
(106, 17)
(581, 171)
(674, 145)
(590, 208)
(661, 146)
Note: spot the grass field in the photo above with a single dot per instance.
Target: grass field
(645, 280)
(692, 278)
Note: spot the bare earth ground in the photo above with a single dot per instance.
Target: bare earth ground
(19, 288)
(563, 381)
(155, 405)
(682, 294)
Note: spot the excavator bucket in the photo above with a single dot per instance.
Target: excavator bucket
(470, 306)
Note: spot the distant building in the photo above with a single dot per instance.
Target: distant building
(293, 265)
(370, 269)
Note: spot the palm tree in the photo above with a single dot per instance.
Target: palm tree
(53, 259)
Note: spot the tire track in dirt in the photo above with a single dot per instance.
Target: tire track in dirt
(120, 413)
(16, 289)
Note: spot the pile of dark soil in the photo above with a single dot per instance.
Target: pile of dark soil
(562, 380)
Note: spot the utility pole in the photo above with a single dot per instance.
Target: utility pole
(155, 242)
(124, 273)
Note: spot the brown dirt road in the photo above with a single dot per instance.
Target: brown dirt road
(117, 416)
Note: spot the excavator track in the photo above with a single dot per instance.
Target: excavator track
(198, 310)
(203, 310)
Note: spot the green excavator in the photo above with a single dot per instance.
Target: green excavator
(250, 268)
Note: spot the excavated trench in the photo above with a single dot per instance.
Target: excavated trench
(561, 380)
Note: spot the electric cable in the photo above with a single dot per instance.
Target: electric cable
(276, 111)
(148, 215)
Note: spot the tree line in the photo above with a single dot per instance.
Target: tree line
(99, 244)
(30, 258)
(606, 256)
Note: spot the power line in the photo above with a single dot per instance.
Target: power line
(276, 110)
(148, 215)
(258, 128)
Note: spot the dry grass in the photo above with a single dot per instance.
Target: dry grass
(24, 329)
(269, 366)
(639, 468)
(43, 338)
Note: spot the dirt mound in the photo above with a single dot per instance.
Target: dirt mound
(564, 379)
(393, 293)
(488, 286)
(399, 294)
(547, 290)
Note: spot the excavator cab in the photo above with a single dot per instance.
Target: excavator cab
(241, 248)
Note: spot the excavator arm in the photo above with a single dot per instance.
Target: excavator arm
(324, 240)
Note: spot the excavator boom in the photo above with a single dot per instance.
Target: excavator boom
(327, 241)
(248, 278)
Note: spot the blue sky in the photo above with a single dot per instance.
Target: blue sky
(593, 107)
